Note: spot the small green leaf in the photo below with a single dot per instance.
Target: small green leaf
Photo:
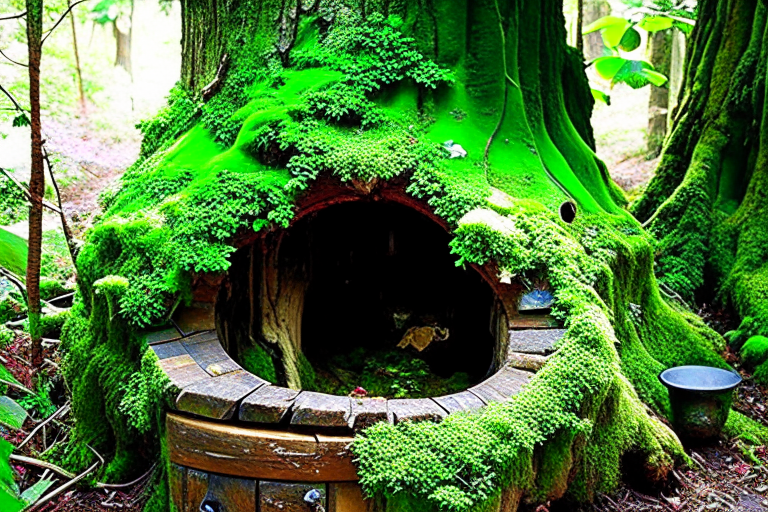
(601, 96)
(608, 66)
(20, 120)
(630, 41)
(33, 493)
(637, 74)
(12, 415)
(603, 23)
(656, 23)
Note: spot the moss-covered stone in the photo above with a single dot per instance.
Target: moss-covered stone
(755, 351)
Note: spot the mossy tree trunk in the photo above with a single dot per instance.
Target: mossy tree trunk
(708, 202)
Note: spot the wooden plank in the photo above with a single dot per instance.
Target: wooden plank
(337, 452)
(257, 453)
(195, 490)
(346, 497)
(533, 322)
(534, 341)
(421, 409)
(200, 338)
(268, 404)
(218, 397)
(530, 362)
(367, 411)
(195, 319)
(170, 349)
(164, 335)
(464, 401)
(321, 410)
(228, 494)
(501, 386)
(211, 357)
(176, 481)
(290, 496)
(182, 371)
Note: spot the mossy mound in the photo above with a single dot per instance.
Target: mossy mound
(359, 100)
(755, 351)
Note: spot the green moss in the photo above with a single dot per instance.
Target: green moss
(745, 428)
(755, 351)
(359, 100)
(258, 361)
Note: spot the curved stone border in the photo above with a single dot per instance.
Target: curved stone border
(210, 384)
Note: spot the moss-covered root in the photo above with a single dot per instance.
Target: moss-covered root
(568, 430)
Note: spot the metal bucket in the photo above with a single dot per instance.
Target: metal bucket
(701, 398)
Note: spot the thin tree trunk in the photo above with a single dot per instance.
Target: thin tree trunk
(658, 104)
(592, 11)
(123, 44)
(77, 62)
(580, 25)
(36, 178)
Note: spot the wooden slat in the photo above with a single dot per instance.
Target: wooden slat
(170, 349)
(256, 453)
(232, 494)
(337, 452)
(192, 319)
(534, 341)
(346, 497)
(218, 397)
(501, 386)
(195, 490)
(200, 338)
(166, 334)
(211, 357)
(183, 371)
(289, 496)
(176, 477)
(530, 362)
(464, 401)
(533, 322)
(321, 410)
(421, 409)
(367, 411)
(268, 404)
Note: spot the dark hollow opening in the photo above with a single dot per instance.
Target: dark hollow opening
(378, 270)
(568, 212)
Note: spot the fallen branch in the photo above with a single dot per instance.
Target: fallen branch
(17, 386)
(64, 487)
(62, 410)
(42, 464)
(129, 484)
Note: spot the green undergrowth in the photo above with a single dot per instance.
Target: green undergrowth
(358, 101)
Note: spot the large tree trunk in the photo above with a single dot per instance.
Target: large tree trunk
(593, 11)
(708, 202)
(36, 178)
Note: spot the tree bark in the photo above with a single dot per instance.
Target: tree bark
(123, 42)
(593, 11)
(36, 178)
(77, 61)
(660, 50)
(707, 203)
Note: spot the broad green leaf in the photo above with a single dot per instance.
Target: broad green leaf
(33, 494)
(601, 96)
(12, 415)
(637, 74)
(630, 41)
(604, 22)
(9, 502)
(608, 66)
(13, 252)
(656, 23)
(685, 28)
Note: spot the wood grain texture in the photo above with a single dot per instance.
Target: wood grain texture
(258, 453)
(218, 397)
(228, 494)
(210, 356)
(535, 341)
(321, 410)
(500, 387)
(458, 402)
(171, 333)
(530, 362)
(367, 411)
(195, 319)
(421, 409)
(183, 371)
(533, 322)
(195, 489)
(268, 404)
(170, 349)
(289, 496)
(346, 497)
